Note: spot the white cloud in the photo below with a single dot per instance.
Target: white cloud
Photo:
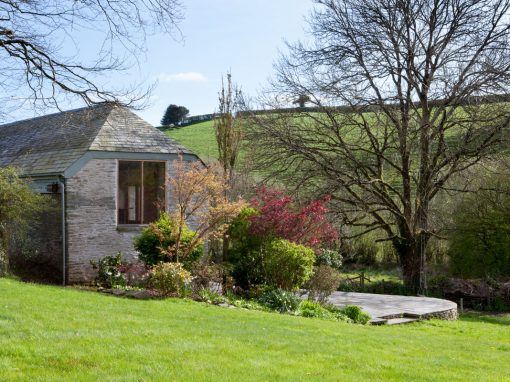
(183, 76)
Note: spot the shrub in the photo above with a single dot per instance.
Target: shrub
(309, 308)
(135, 274)
(324, 281)
(330, 258)
(204, 274)
(246, 304)
(113, 272)
(211, 297)
(278, 216)
(312, 309)
(19, 204)
(337, 312)
(356, 314)
(260, 256)
(108, 273)
(287, 265)
(245, 253)
(169, 278)
(280, 300)
(154, 241)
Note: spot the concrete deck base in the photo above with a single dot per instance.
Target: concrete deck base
(382, 306)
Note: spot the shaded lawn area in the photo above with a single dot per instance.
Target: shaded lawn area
(55, 334)
(375, 275)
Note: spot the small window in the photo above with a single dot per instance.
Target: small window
(141, 194)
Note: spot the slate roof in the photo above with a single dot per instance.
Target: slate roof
(51, 143)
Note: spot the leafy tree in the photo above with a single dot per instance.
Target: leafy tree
(278, 217)
(198, 196)
(273, 216)
(407, 93)
(174, 114)
(480, 233)
(18, 203)
(245, 251)
(37, 38)
(156, 241)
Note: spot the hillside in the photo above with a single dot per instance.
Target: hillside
(199, 138)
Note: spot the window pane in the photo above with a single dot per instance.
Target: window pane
(153, 190)
(130, 189)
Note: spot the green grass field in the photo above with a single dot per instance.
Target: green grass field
(55, 334)
(199, 138)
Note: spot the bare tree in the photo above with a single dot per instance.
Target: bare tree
(409, 93)
(41, 60)
(227, 126)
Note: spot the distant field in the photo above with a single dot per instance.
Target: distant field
(199, 138)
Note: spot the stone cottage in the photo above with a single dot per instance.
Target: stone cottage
(104, 168)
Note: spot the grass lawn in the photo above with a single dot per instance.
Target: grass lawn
(374, 275)
(55, 334)
(199, 138)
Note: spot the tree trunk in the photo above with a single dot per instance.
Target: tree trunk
(409, 251)
(226, 244)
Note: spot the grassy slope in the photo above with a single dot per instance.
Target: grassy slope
(199, 138)
(53, 334)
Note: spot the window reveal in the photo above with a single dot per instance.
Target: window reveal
(141, 193)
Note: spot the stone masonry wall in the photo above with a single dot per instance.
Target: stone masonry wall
(92, 231)
(91, 219)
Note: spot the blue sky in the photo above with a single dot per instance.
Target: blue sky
(240, 36)
(219, 35)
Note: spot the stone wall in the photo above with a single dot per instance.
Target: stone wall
(92, 231)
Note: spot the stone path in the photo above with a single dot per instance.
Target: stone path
(384, 307)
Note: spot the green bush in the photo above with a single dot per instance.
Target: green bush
(337, 312)
(161, 234)
(247, 304)
(330, 258)
(245, 253)
(280, 300)
(108, 273)
(19, 204)
(309, 308)
(211, 297)
(324, 281)
(169, 278)
(480, 240)
(287, 265)
(312, 309)
(356, 314)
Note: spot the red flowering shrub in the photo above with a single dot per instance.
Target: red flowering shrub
(278, 217)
